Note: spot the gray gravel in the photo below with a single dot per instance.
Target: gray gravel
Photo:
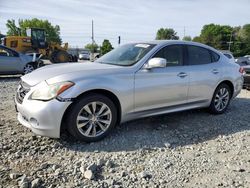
(186, 149)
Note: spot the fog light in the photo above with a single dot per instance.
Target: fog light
(34, 122)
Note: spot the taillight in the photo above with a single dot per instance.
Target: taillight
(241, 70)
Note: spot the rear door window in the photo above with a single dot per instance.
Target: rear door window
(198, 55)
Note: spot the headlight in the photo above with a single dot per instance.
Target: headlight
(50, 91)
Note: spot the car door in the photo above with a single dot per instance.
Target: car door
(9, 61)
(162, 87)
(204, 71)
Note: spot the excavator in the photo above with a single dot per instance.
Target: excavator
(35, 42)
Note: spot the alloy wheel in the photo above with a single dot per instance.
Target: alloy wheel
(94, 119)
(28, 68)
(221, 99)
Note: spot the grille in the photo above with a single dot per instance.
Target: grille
(22, 90)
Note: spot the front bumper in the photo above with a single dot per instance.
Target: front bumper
(43, 118)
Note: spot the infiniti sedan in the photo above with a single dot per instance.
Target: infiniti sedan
(132, 81)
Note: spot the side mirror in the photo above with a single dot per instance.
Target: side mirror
(156, 63)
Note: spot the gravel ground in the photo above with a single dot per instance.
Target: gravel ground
(186, 149)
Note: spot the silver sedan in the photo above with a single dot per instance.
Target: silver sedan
(133, 81)
(12, 62)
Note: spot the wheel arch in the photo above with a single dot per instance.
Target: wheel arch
(104, 92)
(229, 83)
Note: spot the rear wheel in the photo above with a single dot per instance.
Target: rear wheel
(221, 99)
(92, 118)
(28, 68)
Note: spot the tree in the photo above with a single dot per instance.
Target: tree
(243, 39)
(106, 47)
(92, 47)
(13, 30)
(52, 32)
(187, 38)
(166, 34)
(217, 36)
(197, 39)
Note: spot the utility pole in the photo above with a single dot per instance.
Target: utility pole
(119, 40)
(184, 32)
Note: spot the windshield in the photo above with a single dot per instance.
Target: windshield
(126, 55)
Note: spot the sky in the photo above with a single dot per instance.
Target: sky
(134, 20)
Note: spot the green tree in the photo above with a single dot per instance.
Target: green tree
(106, 47)
(243, 39)
(197, 39)
(166, 34)
(13, 30)
(92, 47)
(52, 32)
(217, 36)
(187, 38)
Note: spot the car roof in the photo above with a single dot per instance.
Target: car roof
(166, 42)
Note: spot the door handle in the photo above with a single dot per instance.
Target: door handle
(215, 71)
(182, 74)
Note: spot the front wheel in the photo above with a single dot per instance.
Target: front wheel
(221, 99)
(91, 118)
(28, 68)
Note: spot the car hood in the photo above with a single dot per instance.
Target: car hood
(63, 69)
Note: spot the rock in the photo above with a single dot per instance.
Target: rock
(36, 183)
(82, 169)
(167, 145)
(100, 162)
(24, 185)
(89, 175)
(23, 181)
(123, 174)
(57, 172)
(14, 175)
(109, 164)
(55, 166)
(93, 167)
(44, 165)
(144, 174)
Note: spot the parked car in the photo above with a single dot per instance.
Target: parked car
(229, 55)
(246, 83)
(243, 61)
(12, 62)
(132, 81)
(246, 68)
(84, 55)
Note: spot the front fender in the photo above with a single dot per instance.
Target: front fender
(121, 86)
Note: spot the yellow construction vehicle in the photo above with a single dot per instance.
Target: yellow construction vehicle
(35, 42)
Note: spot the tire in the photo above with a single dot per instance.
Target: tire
(220, 100)
(91, 127)
(62, 56)
(28, 68)
(52, 57)
(59, 56)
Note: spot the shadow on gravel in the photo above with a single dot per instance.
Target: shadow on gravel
(171, 130)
